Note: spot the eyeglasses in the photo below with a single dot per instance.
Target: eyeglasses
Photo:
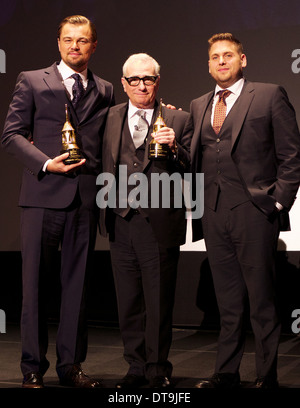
(147, 80)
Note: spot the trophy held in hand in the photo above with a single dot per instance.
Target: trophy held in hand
(158, 151)
(69, 144)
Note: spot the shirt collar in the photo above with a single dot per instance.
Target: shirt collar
(66, 71)
(236, 88)
(133, 109)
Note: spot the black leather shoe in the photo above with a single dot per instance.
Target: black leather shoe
(77, 378)
(265, 382)
(159, 382)
(131, 381)
(221, 380)
(33, 380)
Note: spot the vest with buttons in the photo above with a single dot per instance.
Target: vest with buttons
(133, 158)
(220, 172)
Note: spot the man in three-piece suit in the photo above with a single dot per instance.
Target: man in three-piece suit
(246, 142)
(57, 199)
(144, 241)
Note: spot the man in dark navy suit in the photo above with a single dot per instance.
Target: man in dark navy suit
(58, 200)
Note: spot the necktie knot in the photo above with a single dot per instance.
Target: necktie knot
(141, 113)
(77, 89)
(223, 95)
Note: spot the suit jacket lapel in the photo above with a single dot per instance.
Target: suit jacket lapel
(244, 103)
(54, 82)
(198, 121)
(116, 129)
(87, 103)
(168, 116)
(92, 83)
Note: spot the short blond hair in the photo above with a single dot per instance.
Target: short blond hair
(79, 20)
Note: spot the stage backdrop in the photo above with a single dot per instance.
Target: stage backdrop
(175, 32)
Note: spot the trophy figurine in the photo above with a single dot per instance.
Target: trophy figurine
(158, 151)
(69, 144)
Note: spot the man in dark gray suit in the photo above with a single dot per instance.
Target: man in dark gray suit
(251, 166)
(57, 199)
(144, 241)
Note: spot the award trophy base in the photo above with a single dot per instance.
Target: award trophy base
(74, 155)
(158, 151)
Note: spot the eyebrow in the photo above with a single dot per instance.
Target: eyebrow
(221, 53)
(80, 38)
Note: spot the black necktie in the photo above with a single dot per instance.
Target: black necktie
(77, 89)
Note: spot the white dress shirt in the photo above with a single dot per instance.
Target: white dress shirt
(66, 73)
(235, 89)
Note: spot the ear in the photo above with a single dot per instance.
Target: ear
(244, 60)
(95, 46)
(123, 81)
(157, 82)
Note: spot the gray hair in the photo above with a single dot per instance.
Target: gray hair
(141, 57)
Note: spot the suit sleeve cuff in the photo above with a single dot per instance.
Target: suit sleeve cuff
(45, 165)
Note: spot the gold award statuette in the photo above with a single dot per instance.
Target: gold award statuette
(69, 144)
(158, 151)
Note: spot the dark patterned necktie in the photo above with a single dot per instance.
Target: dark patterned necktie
(141, 130)
(220, 110)
(77, 89)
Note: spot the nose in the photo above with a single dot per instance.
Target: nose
(142, 86)
(221, 60)
(74, 45)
